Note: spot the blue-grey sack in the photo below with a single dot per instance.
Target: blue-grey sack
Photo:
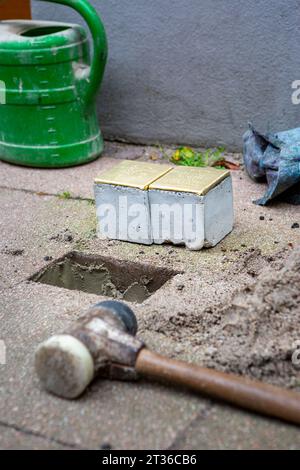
(276, 159)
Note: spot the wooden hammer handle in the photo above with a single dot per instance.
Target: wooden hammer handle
(246, 393)
(15, 9)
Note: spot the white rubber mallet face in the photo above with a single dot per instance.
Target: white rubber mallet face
(64, 366)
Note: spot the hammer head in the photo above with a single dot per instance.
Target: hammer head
(123, 313)
(64, 366)
(101, 341)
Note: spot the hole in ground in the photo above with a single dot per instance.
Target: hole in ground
(101, 275)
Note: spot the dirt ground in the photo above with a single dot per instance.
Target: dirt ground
(251, 330)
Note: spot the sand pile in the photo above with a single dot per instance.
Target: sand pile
(253, 331)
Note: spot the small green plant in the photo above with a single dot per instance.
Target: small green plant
(186, 156)
(65, 195)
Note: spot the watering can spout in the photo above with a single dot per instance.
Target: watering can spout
(96, 70)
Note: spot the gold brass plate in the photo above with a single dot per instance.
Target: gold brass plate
(133, 174)
(190, 180)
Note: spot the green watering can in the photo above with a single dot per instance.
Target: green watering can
(48, 86)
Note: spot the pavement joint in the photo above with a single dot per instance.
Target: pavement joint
(29, 432)
(45, 194)
(180, 437)
(13, 285)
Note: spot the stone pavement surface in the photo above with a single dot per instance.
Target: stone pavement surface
(35, 213)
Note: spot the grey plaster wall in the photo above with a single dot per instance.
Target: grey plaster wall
(195, 71)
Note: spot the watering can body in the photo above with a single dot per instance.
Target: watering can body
(48, 86)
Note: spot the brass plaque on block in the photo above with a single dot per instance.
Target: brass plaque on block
(190, 180)
(133, 174)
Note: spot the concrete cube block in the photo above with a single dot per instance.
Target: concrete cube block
(191, 206)
(122, 201)
(149, 203)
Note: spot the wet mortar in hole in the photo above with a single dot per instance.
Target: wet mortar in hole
(110, 277)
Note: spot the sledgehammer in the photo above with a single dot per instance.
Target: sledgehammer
(103, 343)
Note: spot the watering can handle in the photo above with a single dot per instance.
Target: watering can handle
(95, 24)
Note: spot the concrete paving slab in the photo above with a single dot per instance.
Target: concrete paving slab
(228, 429)
(33, 226)
(29, 226)
(125, 415)
(268, 229)
(13, 439)
(77, 181)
